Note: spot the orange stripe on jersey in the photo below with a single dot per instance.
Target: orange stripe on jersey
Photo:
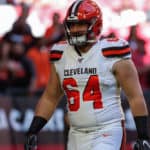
(116, 51)
(113, 39)
(55, 55)
(62, 42)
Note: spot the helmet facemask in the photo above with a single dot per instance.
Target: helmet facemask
(80, 38)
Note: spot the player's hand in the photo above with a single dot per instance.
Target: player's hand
(30, 142)
(141, 145)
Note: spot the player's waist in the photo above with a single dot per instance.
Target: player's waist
(99, 127)
(91, 118)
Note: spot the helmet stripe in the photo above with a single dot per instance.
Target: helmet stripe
(69, 11)
(75, 7)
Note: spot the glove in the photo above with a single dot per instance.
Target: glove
(30, 142)
(141, 145)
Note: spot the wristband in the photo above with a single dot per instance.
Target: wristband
(141, 126)
(36, 125)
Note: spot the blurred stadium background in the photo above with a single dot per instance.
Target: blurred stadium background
(118, 14)
(16, 111)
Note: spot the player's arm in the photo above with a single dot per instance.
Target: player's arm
(44, 108)
(51, 96)
(127, 78)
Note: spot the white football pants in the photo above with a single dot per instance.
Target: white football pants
(109, 137)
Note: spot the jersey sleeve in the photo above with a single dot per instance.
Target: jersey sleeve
(56, 52)
(115, 50)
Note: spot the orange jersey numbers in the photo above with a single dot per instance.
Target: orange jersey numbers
(73, 95)
(91, 93)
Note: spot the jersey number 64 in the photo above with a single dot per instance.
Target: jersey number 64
(91, 92)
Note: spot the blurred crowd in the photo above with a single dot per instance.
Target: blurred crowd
(24, 59)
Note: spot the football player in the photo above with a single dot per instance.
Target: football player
(91, 73)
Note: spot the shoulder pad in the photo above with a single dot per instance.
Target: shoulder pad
(56, 51)
(113, 47)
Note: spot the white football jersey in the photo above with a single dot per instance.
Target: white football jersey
(88, 81)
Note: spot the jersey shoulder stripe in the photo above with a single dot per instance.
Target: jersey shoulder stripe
(57, 51)
(116, 51)
(117, 48)
(55, 55)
